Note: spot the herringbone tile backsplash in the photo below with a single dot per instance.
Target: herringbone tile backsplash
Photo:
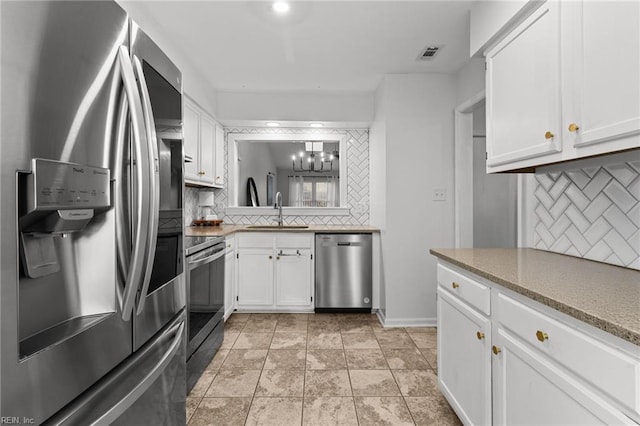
(357, 166)
(592, 213)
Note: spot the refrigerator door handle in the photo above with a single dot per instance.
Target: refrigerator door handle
(154, 189)
(136, 264)
(121, 406)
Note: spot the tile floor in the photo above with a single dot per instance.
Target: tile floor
(320, 369)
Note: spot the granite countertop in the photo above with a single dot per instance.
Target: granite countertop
(605, 296)
(223, 230)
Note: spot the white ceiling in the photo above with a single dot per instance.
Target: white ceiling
(328, 46)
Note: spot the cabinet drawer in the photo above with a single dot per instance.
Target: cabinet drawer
(294, 240)
(610, 370)
(476, 294)
(254, 240)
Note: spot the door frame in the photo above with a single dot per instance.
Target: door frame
(463, 181)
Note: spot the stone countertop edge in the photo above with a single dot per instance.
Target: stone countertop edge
(568, 284)
(228, 229)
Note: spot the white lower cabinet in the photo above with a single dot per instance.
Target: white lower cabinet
(464, 360)
(517, 362)
(229, 278)
(275, 271)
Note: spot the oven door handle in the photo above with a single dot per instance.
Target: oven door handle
(216, 256)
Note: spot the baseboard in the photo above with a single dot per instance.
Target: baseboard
(410, 322)
(380, 316)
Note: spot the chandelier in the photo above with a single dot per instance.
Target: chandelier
(313, 159)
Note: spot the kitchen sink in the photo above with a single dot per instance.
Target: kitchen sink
(277, 226)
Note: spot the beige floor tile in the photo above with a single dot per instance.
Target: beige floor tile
(281, 383)
(417, 382)
(421, 329)
(329, 410)
(385, 330)
(285, 359)
(260, 325)
(373, 383)
(233, 327)
(316, 327)
(192, 404)
(234, 383)
(221, 412)
(326, 359)
(253, 341)
(366, 359)
(432, 411)
(356, 327)
(239, 317)
(356, 317)
(406, 359)
(323, 317)
(289, 340)
(431, 355)
(382, 410)
(360, 341)
(292, 326)
(265, 317)
(203, 383)
(425, 340)
(294, 317)
(275, 411)
(248, 359)
(229, 339)
(217, 360)
(324, 340)
(327, 383)
(399, 340)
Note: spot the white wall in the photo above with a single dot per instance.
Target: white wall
(470, 80)
(236, 107)
(417, 115)
(194, 84)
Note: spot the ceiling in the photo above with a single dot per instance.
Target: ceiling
(327, 46)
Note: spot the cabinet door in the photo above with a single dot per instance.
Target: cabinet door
(207, 145)
(293, 278)
(464, 359)
(229, 283)
(529, 389)
(191, 131)
(523, 92)
(255, 277)
(219, 154)
(602, 75)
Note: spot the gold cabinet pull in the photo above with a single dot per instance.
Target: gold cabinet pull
(541, 335)
(455, 284)
(573, 127)
(496, 350)
(548, 135)
(480, 335)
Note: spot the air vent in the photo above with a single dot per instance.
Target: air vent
(429, 52)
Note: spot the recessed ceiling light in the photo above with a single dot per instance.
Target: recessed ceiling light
(280, 7)
(273, 124)
(316, 125)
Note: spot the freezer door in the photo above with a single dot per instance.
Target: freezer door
(147, 389)
(62, 100)
(162, 293)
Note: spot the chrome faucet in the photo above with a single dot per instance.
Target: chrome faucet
(278, 206)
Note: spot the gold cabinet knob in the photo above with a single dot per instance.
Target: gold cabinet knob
(496, 350)
(573, 127)
(270, 257)
(201, 173)
(228, 245)
(455, 284)
(277, 257)
(548, 135)
(480, 335)
(541, 335)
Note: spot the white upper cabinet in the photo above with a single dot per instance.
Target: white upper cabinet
(523, 91)
(602, 76)
(201, 147)
(564, 84)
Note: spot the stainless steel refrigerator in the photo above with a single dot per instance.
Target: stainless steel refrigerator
(92, 292)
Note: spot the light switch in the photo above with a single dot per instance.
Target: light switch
(439, 194)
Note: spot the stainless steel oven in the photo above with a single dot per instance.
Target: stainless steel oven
(205, 302)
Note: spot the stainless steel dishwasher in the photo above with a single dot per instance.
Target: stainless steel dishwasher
(343, 272)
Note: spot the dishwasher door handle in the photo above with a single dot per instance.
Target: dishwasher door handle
(344, 244)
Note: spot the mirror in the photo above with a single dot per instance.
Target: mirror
(306, 172)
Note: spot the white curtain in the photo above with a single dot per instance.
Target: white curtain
(296, 184)
(333, 198)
